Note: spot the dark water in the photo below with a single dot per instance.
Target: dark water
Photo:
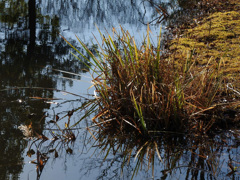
(34, 88)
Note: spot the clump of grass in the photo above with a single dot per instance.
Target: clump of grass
(140, 90)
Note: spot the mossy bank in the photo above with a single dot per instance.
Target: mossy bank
(214, 39)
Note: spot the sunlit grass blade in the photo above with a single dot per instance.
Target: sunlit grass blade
(139, 112)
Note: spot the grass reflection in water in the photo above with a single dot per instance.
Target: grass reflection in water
(164, 155)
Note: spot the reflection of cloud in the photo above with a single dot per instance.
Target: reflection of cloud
(26, 130)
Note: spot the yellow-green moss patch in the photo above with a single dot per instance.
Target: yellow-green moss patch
(216, 37)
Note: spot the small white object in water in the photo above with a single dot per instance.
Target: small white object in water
(95, 94)
(26, 130)
(19, 100)
(51, 102)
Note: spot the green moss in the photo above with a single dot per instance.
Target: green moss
(216, 37)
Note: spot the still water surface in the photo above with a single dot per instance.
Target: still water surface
(33, 61)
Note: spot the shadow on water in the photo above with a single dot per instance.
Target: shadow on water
(34, 59)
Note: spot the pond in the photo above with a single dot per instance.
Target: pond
(42, 86)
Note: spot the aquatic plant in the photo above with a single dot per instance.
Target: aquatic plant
(138, 88)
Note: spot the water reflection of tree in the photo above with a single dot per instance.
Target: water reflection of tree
(85, 14)
(31, 42)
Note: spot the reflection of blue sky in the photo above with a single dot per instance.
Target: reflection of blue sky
(81, 17)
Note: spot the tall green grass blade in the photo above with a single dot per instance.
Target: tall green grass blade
(78, 52)
(116, 51)
(159, 45)
(136, 51)
(96, 61)
(139, 112)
